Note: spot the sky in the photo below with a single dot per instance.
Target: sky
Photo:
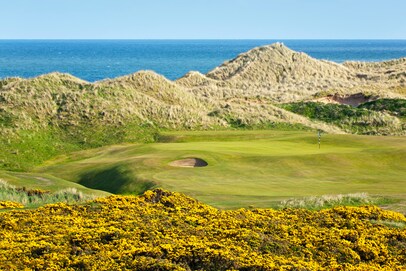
(203, 19)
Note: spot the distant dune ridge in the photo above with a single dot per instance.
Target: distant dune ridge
(284, 75)
(245, 91)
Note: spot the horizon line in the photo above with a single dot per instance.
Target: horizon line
(197, 39)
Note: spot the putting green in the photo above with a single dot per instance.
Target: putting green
(257, 168)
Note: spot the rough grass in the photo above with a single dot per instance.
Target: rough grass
(330, 201)
(258, 168)
(31, 198)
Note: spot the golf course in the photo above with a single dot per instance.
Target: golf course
(245, 168)
(274, 160)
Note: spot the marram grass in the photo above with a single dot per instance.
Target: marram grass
(162, 230)
(328, 201)
(16, 197)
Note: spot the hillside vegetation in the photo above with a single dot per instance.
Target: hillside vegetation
(379, 117)
(395, 107)
(169, 231)
(58, 113)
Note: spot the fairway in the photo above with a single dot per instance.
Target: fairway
(245, 168)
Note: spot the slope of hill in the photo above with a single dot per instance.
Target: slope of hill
(57, 111)
(65, 100)
(281, 73)
(284, 75)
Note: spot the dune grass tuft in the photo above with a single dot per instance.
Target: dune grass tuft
(329, 201)
(36, 197)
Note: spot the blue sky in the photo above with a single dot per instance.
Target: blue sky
(203, 19)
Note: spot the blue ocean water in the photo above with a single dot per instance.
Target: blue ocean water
(94, 60)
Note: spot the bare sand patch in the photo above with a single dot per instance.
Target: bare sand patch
(189, 162)
(353, 100)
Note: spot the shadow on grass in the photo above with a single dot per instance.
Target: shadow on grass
(116, 180)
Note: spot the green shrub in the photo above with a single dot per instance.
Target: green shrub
(396, 107)
(351, 119)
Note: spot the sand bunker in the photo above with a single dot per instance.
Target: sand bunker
(189, 162)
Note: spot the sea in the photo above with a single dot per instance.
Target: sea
(94, 60)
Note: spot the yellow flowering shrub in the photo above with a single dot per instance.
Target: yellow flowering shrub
(168, 231)
(10, 205)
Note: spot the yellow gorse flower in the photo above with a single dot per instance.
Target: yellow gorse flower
(163, 230)
(10, 205)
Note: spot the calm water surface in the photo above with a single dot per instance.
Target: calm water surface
(94, 60)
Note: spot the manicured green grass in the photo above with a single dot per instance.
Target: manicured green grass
(246, 168)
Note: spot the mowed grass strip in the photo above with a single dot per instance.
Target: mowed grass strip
(245, 168)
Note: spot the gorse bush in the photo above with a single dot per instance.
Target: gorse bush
(10, 205)
(169, 231)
